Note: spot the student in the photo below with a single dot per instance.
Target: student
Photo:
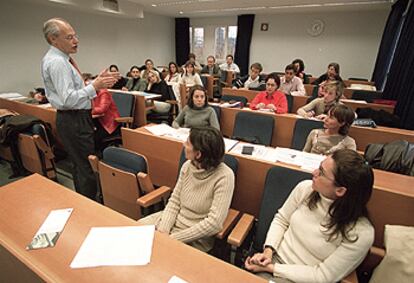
(149, 65)
(319, 107)
(291, 84)
(106, 111)
(135, 82)
(251, 81)
(173, 76)
(38, 95)
(334, 136)
(201, 198)
(190, 78)
(192, 59)
(211, 68)
(300, 70)
(332, 74)
(271, 98)
(322, 232)
(229, 65)
(197, 112)
(122, 81)
(158, 86)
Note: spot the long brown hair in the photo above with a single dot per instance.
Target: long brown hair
(352, 172)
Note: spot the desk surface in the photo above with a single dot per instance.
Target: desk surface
(24, 206)
(392, 200)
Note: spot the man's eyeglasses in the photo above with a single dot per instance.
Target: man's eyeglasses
(71, 37)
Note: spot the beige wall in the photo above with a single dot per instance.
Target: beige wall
(104, 40)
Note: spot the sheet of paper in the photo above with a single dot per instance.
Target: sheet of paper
(160, 129)
(176, 279)
(311, 161)
(115, 246)
(180, 134)
(354, 101)
(260, 152)
(229, 143)
(287, 155)
(46, 105)
(50, 230)
(10, 95)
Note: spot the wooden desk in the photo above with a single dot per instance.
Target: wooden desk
(392, 201)
(47, 115)
(24, 206)
(285, 123)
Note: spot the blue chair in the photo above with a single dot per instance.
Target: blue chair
(279, 183)
(125, 103)
(289, 99)
(301, 131)
(253, 128)
(123, 179)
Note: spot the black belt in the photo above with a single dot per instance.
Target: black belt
(74, 110)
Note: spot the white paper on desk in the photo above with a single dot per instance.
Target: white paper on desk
(311, 161)
(354, 101)
(180, 134)
(287, 155)
(176, 279)
(115, 246)
(46, 105)
(160, 129)
(229, 143)
(9, 95)
(260, 152)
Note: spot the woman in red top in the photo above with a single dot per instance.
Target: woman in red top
(271, 99)
(105, 112)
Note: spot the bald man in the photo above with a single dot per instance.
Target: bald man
(67, 93)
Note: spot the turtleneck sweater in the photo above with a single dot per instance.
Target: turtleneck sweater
(196, 117)
(299, 238)
(198, 205)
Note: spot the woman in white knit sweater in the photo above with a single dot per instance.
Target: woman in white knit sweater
(201, 198)
(322, 232)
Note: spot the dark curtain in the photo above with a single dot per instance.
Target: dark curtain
(182, 40)
(388, 41)
(244, 37)
(400, 83)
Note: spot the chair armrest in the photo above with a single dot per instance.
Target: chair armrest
(41, 144)
(124, 119)
(93, 161)
(229, 223)
(154, 197)
(241, 230)
(351, 278)
(145, 182)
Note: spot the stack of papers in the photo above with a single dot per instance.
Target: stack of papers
(115, 246)
(180, 134)
(307, 161)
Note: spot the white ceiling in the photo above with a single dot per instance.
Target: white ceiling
(210, 8)
(203, 8)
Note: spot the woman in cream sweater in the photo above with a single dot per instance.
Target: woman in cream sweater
(201, 198)
(322, 232)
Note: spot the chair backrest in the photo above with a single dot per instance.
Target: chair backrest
(279, 183)
(289, 99)
(217, 109)
(358, 79)
(368, 96)
(228, 98)
(252, 127)
(118, 179)
(125, 103)
(204, 80)
(301, 131)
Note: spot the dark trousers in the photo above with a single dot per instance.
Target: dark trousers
(76, 130)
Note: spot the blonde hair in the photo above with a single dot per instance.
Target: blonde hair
(339, 88)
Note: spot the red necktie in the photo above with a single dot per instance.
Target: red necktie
(74, 65)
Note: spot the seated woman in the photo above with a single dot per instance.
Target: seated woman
(158, 86)
(319, 107)
(322, 232)
(332, 74)
(335, 135)
(271, 99)
(300, 70)
(121, 82)
(38, 95)
(105, 112)
(201, 198)
(135, 82)
(149, 66)
(173, 76)
(190, 78)
(197, 112)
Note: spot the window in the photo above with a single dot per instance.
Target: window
(197, 41)
(231, 40)
(220, 42)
